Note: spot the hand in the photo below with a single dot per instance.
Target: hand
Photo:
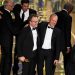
(56, 62)
(68, 49)
(26, 60)
(1, 12)
(22, 58)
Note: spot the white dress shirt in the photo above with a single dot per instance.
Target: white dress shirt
(26, 14)
(47, 39)
(34, 33)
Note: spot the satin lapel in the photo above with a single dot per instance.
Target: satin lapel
(44, 31)
(30, 32)
(38, 39)
(53, 34)
(19, 13)
(29, 12)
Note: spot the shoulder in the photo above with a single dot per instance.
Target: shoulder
(26, 27)
(42, 25)
(23, 31)
(33, 11)
(17, 7)
(58, 30)
(62, 12)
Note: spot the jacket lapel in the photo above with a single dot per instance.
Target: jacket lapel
(53, 34)
(30, 32)
(44, 32)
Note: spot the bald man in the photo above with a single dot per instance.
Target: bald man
(49, 45)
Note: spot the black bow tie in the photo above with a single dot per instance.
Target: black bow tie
(50, 27)
(34, 28)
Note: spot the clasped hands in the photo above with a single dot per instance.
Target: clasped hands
(23, 59)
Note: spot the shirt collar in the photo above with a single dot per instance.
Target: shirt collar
(25, 11)
(7, 10)
(65, 10)
(49, 26)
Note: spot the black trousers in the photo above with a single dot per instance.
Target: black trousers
(29, 67)
(72, 61)
(72, 68)
(6, 55)
(67, 64)
(45, 55)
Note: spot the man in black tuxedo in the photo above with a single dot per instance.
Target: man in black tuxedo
(27, 45)
(64, 23)
(21, 12)
(49, 46)
(6, 37)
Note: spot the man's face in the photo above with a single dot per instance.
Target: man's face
(34, 22)
(53, 20)
(25, 6)
(10, 5)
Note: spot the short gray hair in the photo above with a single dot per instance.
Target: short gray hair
(6, 2)
(68, 6)
(53, 15)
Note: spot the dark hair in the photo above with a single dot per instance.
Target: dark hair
(69, 7)
(24, 1)
(31, 16)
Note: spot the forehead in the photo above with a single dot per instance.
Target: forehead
(54, 17)
(10, 3)
(34, 18)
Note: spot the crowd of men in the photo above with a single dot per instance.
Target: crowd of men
(35, 42)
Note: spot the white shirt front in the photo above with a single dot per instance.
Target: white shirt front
(47, 39)
(34, 33)
(26, 14)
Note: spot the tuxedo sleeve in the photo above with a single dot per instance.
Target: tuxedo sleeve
(58, 44)
(19, 44)
(9, 22)
(68, 31)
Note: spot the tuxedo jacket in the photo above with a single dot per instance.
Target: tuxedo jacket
(6, 30)
(25, 43)
(6, 23)
(19, 24)
(55, 40)
(64, 23)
